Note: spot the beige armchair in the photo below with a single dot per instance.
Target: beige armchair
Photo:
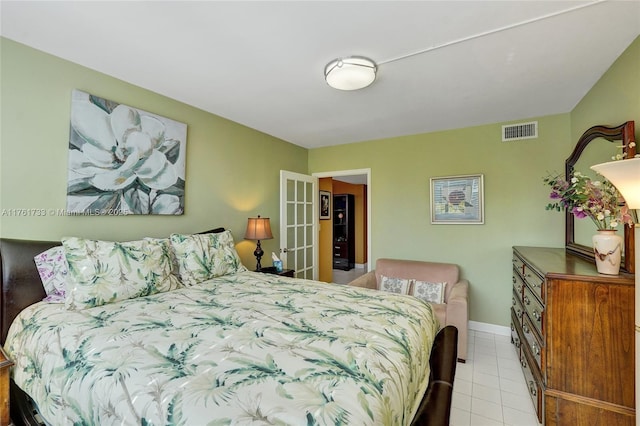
(455, 309)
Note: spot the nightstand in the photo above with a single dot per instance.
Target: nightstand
(5, 364)
(271, 270)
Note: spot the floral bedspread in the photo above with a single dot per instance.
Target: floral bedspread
(247, 348)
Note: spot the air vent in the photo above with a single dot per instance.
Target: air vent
(515, 132)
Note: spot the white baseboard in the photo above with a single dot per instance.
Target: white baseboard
(490, 328)
(361, 265)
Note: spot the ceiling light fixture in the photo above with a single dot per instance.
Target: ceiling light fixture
(351, 73)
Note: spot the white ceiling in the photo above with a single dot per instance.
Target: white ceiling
(261, 63)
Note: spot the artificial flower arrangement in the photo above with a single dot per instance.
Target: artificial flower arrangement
(600, 201)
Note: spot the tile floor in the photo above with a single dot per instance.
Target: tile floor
(489, 389)
(345, 277)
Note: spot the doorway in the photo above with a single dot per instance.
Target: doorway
(358, 182)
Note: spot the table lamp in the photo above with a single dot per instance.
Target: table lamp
(625, 175)
(258, 228)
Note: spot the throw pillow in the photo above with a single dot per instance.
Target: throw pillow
(53, 270)
(429, 292)
(105, 272)
(394, 285)
(166, 242)
(204, 256)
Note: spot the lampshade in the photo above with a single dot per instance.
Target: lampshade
(258, 228)
(351, 73)
(625, 176)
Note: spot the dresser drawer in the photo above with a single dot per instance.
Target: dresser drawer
(516, 305)
(518, 264)
(535, 311)
(516, 329)
(535, 282)
(533, 382)
(532, 341)
(340, 250)
(518, 284)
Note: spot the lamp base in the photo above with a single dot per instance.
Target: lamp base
(258, 254)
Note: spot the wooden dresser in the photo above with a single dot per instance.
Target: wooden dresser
(573, 330)
(5, 363)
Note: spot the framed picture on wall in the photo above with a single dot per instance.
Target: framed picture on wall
(457, 199)
(123, 160)
(325, 205)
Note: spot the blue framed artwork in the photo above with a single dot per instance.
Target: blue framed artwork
(457, 199)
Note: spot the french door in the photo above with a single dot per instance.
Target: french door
(298, 219)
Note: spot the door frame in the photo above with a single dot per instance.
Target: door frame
(367, 172)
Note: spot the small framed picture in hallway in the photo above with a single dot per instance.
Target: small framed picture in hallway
(325, 205)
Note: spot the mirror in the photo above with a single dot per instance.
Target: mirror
(598, 145)
(597, 151)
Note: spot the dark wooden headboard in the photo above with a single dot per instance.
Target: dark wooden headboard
(21, 284)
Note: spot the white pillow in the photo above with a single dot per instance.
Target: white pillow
(105, 272)
(201, 257)
(53, 270)
(166, 242)
(429, 292)
(394, 285)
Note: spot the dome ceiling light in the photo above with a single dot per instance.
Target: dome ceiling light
(350, 73)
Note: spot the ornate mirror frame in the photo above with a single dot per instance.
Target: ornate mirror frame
(625, 134)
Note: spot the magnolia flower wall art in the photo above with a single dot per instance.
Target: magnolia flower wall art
(123, 160)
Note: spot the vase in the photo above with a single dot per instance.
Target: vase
(607, 247)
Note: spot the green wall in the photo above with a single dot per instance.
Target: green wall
(232, 171)
(514, 199)
(614, 99)
(515, 195)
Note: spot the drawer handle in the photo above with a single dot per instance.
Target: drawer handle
(526, 329)
(533, 388)
(527, 301)
(519, 312)
(516, 342)
(536, 349)
(513, 301)
(537, 315)
(523, 363)
(513, 279)
(537, 284)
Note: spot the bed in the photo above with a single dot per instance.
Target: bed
(239, 348)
